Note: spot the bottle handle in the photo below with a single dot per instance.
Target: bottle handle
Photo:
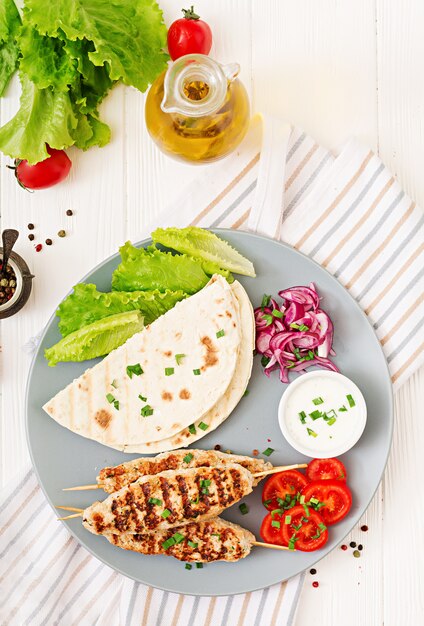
(268, 201)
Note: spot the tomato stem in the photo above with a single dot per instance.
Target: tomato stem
(189, 14)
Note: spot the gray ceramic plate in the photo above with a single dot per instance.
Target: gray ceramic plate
(62, 458)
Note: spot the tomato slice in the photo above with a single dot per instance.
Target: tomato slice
(326, 469)
(280, 485)
(270, 533)
(334, 494)
(306, 530)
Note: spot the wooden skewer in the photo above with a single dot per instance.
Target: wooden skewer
(274, 470)
(260, 544)
(69, 508)
(71, 516)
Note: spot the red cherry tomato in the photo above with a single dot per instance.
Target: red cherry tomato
(189, 35)
(335, 495)
(280, 486)
(326, 469)
(44, 174)
(305, 532)
(270, 533)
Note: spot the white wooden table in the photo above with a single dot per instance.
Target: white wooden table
(336, 68)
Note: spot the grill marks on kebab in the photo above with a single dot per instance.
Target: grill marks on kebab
(201, 542)
(114, 478)
(169, 499)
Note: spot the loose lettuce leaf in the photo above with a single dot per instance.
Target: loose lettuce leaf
(10, 23)
(144, 270)
(45, 60)
(45, 116)
(90, 131)
(97, 339)
(206, 245)
(129, 35)
(86, 305)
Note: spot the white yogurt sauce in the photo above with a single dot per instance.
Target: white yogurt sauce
(322, 413)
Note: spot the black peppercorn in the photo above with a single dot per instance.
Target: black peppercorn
(31, 237)
(313, 571)
(49, 242)
(353, 544)
(69, 212)
(31, 226)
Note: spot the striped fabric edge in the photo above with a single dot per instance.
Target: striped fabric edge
(272, 606)
(370, 236)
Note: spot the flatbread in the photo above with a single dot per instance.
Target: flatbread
(223, 408)
(106, 402)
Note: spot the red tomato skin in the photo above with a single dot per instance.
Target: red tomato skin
(269, 533)
(305, 543)
(46, 173)
(274, 487)
(187, 36)
(339, 495)
(326, 469)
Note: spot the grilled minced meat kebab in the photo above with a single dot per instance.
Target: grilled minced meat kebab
(114, 478)
(172, 498)
(202, 542)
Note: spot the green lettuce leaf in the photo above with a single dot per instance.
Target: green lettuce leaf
(90, 131)
(97, 339)
(86, 305)
(129, 35)
(206, 245)
(10, 24)
(45, 116)
(144, 270)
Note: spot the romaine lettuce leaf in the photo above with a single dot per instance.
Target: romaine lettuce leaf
(206, 245)
(144, 270)
(45, 116)
(10, 24)
(86, 305)
(97, 339)
(129, 35)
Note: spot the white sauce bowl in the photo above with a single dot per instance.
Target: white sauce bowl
(335, 434)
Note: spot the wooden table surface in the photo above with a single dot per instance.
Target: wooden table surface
(336, 68)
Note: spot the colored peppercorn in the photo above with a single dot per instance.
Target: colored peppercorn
(38, 247)
(344, 547)
(7, 284)
(356, 554)
(49, 242)
(364, 528)
(315, 584)
(61, 233)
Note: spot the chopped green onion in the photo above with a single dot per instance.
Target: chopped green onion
(169, 371)
(268, 451)
(142, 398)
(350, 400)
(179, 358)
(268, 502)
(114, 383)
(188, 566)
(314, 500)
(168, 543)
(287, 519)
(315, 415)
(311, 355)
(244, 509)
(276, 511)
(199, 565)
(116, 405)
(220, 333)
(203, 426)
(303, 327)
(277, 313)
(311, 432)
(302, 416)
(216, 535)
(110, 398)
(275, 523)
(188, 458)
(192, 429)
(265, 360)
(268, 318)
(165, 513)
(246, 392)
(265, 300)
(331, 421)
(292, 542)
(204, 485)
(178, 537)
(298, 527)
(302, 499)
(146, 411)
(196, 501)
(317, 535)
(295, 326)
(196, 372)
(192, 544)
(134, 369)
(317, 401)
(342, 409)
(155, 501)
(305, 508)
(322, 526)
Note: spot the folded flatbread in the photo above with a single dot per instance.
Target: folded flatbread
(225, 405)
(162, 379)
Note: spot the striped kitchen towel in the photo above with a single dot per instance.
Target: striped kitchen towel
(346, 212)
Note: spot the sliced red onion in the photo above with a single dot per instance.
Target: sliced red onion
(302, 295)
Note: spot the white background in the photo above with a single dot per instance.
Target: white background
(336, 68)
